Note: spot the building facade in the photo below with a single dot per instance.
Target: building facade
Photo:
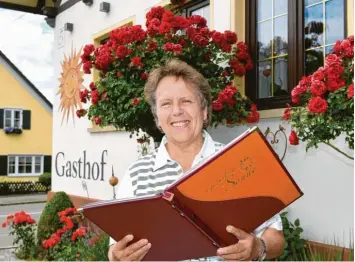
(287, 39)
(25, 124)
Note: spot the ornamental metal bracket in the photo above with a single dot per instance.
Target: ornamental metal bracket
(274, 140)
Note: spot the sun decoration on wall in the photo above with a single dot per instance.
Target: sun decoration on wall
(70, 85)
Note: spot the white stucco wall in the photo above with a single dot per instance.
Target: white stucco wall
(326, 210)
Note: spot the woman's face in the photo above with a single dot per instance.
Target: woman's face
(179, 110)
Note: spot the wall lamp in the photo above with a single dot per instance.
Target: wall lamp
(68, 27)
(104, 7)
(88, 2)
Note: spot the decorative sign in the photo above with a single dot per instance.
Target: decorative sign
(70, 85)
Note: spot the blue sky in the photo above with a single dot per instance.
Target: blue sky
(27, 41)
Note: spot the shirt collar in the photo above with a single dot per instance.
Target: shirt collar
(163, 157)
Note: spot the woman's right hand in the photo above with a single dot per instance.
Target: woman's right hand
(134, 252)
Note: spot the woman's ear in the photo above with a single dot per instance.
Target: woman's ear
(205, 114)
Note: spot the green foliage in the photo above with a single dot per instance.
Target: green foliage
(49, 221)
(295, 245)
(45, 179)
(124, 61)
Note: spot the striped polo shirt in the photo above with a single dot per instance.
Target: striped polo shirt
(152, 173)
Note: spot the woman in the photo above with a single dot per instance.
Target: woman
(180, 99)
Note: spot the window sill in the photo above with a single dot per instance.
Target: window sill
(272, 113)
(24, 175)
(97, 129)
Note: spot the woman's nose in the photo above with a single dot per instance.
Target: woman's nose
(177, 110)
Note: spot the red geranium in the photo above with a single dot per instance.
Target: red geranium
(293, 138)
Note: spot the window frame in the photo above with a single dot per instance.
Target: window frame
(12, 118)
(191, 6)
(33, 165)
(296, 52)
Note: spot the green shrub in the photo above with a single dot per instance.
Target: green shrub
(45, 179)
(295, 245)
(49, 221)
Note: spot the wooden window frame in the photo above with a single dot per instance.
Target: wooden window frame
(33, 165)
(296, 52)
(12, 110)
(187, 9)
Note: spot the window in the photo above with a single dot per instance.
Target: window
(25, 165)
(288, 39)
(201, 8)
(12, 118)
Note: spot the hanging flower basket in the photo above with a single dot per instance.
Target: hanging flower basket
(131, 52)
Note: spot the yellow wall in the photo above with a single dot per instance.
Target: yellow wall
(37, 140)
(350, 17)
(238, 26)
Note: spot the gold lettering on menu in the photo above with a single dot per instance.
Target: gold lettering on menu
(233, 177)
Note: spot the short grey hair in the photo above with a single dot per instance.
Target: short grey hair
(190, 75)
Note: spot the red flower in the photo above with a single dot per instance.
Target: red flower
(253, 108)
(335, 83)
(118, 74)
(318, 75)
(122, 51)
(293, 138)
(287, 113)
(197, 20)
(266, 72)
(332, 59)
(217, 106)
(95, 97)
(88, 49)
(83, 95)
(318, 88)
(230, 37)
(4, 224)
(98, 122)
(137, 61)
(253, 117)
(87, 67)
(317, 105)
(144, 76)
(242, 46)
(92, 86)
(351, 90)
(152, 46)
(176, 48)
(135, 101)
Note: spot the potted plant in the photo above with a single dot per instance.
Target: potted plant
(131, 52)
(325, 101)
(13, 130)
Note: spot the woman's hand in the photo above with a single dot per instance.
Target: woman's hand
(134, 252)
(247, 248)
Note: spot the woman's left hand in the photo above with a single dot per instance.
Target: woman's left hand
(247, 248)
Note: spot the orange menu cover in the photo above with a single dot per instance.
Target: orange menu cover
(243, 185)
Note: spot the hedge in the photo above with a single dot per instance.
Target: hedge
(18, 187)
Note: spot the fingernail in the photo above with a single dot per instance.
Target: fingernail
(229, 228)
(149, 245)
(130, 237)
(219, 251)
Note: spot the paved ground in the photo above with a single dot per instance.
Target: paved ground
(32, 204)
(22, 199)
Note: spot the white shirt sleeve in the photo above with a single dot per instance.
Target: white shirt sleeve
(274, 222)
(124, 189)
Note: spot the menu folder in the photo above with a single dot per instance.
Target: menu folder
(244, 185)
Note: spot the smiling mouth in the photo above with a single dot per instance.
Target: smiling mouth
(180, 123)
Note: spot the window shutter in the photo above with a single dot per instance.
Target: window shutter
(47, 165)
(1, 118)
(26, 119)
(3, 165)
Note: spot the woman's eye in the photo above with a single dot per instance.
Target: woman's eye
(165, 104)
(186, 101)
